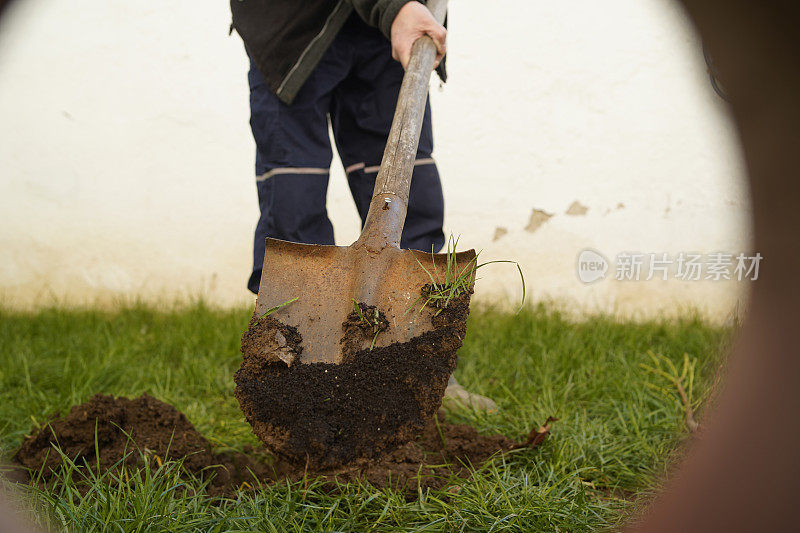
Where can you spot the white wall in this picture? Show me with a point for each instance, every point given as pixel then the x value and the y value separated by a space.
pixel 126 157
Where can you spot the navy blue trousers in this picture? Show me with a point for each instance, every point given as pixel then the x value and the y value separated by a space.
pixel 355 86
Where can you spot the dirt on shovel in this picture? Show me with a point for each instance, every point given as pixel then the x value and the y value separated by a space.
pixel 147 426
pixel 330 415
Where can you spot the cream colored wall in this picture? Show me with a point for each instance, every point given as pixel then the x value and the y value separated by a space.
pixel 127 157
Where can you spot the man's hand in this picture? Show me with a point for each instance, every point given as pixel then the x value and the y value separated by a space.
pixel 412 22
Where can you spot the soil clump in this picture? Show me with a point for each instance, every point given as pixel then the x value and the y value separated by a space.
pixel 270 341
pixel 109 432
pixel 363 324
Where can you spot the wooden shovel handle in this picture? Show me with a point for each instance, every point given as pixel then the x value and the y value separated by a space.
pixel 387 210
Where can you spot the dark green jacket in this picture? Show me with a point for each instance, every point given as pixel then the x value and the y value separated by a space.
pixel 287 38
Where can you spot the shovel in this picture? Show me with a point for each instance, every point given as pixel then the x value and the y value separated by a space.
pixel 347 356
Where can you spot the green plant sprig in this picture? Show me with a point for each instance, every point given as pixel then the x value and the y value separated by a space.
pixel 375 324
pixel 456 281
pixel 273 309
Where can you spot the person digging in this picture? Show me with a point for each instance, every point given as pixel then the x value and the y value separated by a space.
pixel 348 72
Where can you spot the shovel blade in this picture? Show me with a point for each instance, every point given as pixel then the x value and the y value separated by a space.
pixel 326 280
pixel 316 384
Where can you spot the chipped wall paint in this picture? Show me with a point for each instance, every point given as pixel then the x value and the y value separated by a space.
pixel 499 231
pixel 127 159
pixel 577 209
pixel 538 217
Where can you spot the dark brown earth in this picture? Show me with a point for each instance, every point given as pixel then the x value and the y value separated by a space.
pixel 443 450
pixel 159 430
pixel 361 327
pixel 329 415
pixel 272 340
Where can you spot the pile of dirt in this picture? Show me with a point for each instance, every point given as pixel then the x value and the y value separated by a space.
pixel 159 429
pixel 442 451
pixel 111 431
pixel 329 415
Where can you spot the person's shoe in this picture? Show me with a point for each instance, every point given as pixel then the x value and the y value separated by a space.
pixel 457 397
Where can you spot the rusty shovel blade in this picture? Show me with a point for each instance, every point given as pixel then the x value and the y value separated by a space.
pixel 318 389
pixel 323 282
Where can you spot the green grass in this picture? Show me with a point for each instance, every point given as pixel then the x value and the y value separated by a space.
pixel 610 384
pixel 457 280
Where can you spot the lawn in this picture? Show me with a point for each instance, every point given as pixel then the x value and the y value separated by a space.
pixel 613 387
